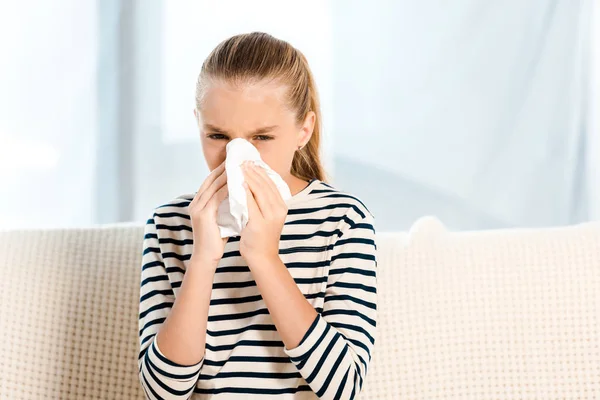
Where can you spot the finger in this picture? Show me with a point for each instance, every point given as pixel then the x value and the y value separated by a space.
pixel 212 189
pixel 267 182
pixel 214 174
pixel 253 209
pixel 276 203
pixel 210 179
pixel 218 197
pixel 267 194
pixel 260 195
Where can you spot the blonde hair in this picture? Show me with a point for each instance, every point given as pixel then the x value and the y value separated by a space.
pixel 253 57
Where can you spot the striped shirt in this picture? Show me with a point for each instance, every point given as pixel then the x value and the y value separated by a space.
pixel 328 246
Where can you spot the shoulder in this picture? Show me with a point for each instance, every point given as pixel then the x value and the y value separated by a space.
pixel 172 212
pixel 356 223
pixel 355 207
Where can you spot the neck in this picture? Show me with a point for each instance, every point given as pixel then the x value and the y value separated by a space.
pixel 295 184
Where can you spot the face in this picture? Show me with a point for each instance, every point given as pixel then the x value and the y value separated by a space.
pixel 257 113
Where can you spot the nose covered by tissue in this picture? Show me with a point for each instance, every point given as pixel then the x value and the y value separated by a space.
pixel 232 215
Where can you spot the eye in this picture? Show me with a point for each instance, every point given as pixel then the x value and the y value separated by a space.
pixel 263 137
pixel 216 136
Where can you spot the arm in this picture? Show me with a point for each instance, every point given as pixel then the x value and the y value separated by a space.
pixel 331 350
pixel 172 331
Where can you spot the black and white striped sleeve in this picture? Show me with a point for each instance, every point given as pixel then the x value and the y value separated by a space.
pixel 334 354
pixel 160 377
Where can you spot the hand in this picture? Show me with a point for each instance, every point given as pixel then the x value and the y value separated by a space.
pixel 267 210
pixel 208 244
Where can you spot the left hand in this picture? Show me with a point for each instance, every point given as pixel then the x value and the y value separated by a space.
pixel 267 211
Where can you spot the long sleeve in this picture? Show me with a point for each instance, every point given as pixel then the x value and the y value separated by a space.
pixel 160 377
pixel 334 354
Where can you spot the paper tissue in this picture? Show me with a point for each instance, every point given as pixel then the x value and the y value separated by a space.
pixel 232 215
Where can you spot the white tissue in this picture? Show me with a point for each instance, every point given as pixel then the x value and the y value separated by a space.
pixel 232 215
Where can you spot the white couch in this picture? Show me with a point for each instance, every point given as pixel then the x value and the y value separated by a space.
pixel 512 314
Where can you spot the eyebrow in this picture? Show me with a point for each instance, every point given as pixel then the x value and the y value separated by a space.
pixel 264 129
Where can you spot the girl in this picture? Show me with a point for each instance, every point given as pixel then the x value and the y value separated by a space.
pixel 288 308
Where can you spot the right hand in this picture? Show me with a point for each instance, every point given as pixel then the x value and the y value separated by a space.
pixel 208 244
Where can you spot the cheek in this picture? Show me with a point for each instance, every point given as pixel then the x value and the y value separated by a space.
pixel 276 157
pixel 214 153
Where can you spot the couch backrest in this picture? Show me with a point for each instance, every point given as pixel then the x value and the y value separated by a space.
pixel 497 314
pixel 504 314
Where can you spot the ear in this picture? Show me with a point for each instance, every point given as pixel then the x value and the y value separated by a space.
pixel 307 128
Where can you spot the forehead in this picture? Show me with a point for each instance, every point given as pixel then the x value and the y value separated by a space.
pixel 245 106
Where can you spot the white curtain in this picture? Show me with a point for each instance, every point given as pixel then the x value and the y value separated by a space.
pixel 477 112
pixel 593 125
pixel 474 111
pixel 48 113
